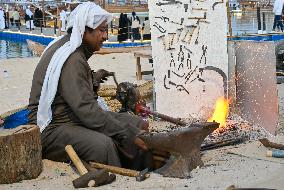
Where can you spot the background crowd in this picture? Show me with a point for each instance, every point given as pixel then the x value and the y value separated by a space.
pixel 133 28
pixel 128 28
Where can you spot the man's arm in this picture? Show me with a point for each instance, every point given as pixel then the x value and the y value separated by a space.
pixel 75 86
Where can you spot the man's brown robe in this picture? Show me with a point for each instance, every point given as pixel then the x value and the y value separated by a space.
pixel 77 118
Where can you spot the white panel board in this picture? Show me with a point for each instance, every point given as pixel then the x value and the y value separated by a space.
pixel 188 38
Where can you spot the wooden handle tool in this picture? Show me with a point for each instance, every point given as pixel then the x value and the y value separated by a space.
pixel 76 160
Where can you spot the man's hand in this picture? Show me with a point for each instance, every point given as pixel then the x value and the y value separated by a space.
pixel 140 143
pixel 146 126
pixel 101 75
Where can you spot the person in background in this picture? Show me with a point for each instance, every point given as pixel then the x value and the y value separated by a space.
pixel 16 18
pixel 277 10
pixel 22 13
pixel 122 28
pixel 63 18
pixel 6 16
pixel 2 18
pixel 10 13
pixel 127 26
pixel 29 18
pixel 135 27
pixel 146 29
pixel 38 17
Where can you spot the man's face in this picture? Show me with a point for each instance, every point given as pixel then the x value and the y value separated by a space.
pixel 94 39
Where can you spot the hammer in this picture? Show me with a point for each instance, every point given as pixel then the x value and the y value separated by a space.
pixel 139 175
pixel 114 78
pixel 88 179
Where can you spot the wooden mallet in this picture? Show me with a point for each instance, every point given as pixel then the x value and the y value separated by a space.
pixel 91 178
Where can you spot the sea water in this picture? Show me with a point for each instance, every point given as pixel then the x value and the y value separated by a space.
pixel 13 49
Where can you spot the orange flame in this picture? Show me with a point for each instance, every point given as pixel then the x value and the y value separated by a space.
pixel 221 111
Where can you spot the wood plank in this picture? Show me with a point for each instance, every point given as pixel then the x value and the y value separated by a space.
pixel 143 53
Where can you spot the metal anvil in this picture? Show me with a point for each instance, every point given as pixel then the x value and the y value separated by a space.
pixel 184 146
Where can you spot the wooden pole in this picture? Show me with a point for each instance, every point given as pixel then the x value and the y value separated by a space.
pixel 104 4
pixel 43 13
pixel 229 18
pixel 270 144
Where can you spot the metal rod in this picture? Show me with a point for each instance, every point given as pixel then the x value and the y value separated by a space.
pixel 222 143
pixel 169 119
pixel 114 78
pixel 270 144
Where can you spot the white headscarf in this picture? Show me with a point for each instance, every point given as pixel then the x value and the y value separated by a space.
pixel 86 14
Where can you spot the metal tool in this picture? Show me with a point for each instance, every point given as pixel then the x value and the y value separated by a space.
pixel 199 18
pixel 270 144
pixel 140 108
pixel 186 33
pixel 216 3
pixel 129 96
pixel 191 34
pixel 165 19
pixel 168 2
pixel 185 7
pixel 179 34
pixel 199 9
pixel 159 27
pixel 114 78
pixel 142 175
pixel 222 143
pixel 275 153
pixel 189 51
pixel 88 179
pixel 162 37
pixel 184 146
pixel 171 42
pixel 197 35
pixel 181 21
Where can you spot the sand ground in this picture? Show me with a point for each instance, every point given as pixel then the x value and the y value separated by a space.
pixel 243 165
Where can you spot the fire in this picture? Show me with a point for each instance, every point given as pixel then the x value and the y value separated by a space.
pixel 221 111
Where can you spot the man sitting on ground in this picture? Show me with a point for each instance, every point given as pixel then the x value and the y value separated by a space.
pixel 63 103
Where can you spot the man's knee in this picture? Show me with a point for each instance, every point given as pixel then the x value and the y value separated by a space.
pixel 98 150
pixel 109 144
